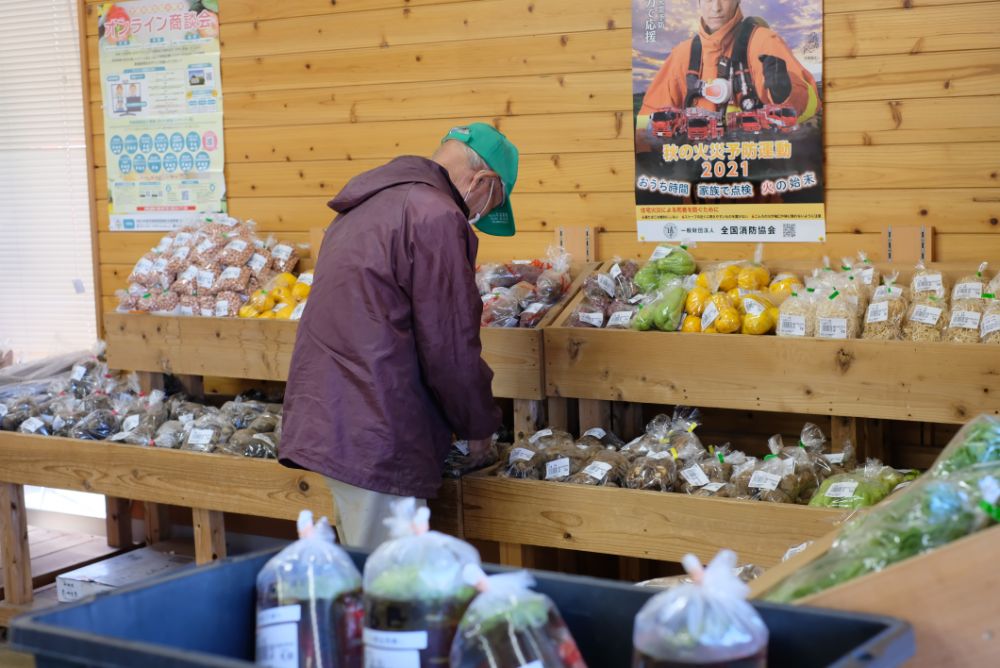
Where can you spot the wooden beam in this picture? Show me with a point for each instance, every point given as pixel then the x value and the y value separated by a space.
pixel 209 535
pixel 529 414
pixel 594 413
pixel 14 551
pixel 558 409
pixel 118 520
pixel 157 519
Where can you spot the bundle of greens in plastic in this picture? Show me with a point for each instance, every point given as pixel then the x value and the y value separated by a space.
pixel 705 623
pixel 665 310
pixel 858 489
pixel 957 497
pixel 309 610
pixel 510 626
pixel 415 593
pixel 666 263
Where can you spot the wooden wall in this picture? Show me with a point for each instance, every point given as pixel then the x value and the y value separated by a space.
pixel 319 90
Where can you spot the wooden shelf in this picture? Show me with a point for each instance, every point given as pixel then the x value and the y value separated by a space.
pixel 191 479
pixel 635 523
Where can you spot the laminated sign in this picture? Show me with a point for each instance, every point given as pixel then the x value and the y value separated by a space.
pixel 728 112
pixel 162 96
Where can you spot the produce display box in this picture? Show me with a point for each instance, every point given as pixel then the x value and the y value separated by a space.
pixel 205 618
pixel 635 523
pixel 262 349
pixel 944 594
pixel 900 380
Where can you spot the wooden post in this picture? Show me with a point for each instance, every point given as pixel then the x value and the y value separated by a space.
pixel 516 555
pixel 149 381
pixel 595 413
pixel 16 558
pixel 558 413
pixel 209 535
pixel 193 386
pixel 157 518
pixel 626 419
pixel 528 414
pixel 118 520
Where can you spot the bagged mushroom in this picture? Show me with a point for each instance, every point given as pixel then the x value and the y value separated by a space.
pixel 607 468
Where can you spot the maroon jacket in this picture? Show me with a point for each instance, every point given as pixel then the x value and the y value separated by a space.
pixel 387 362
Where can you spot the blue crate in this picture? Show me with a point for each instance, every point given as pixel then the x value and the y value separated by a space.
pixel 204 618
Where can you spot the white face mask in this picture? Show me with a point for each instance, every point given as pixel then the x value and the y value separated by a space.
pixel 475 218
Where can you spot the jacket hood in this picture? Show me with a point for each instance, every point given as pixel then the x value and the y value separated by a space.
pixel 402 170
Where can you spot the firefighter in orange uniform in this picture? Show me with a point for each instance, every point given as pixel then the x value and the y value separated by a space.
pixel 733 63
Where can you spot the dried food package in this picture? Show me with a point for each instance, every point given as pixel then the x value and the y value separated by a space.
pixel 227 304
pixel 707 622
pixel 206 250
pixel 533 314
pixel 797 315
pixel 869 274
pixel 170 435
pixel 989 326
pixel 144 272
pixel 775 480
pixel 500 309
pixel 964 321
pixel 606 468
pixel 925 319
pixel 739 484
pixel 415 592
pixel 178 258
pixel 98 425
pixel 187 281
pixel 886 312
pixel 260 264
pixel 508 624
pixel 836 317
pixel 929 283
pixel 623 275
pixel 597 437
pixel 309 603
pixel 491 276
pixel 237 252
pixel 232 279
pixel 523 462
pixel 207 433
pixel 655 471
pixel 599 290
pixel 284 257
pixel 554 281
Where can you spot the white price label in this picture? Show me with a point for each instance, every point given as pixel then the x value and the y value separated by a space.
pixel 598 470
pixel 753 307
pixel 462 446
pixel 928 283
pixel 791 325
pixel 207 313
pixel 31 425
pixel 165 244
pixel 297 311
pixel 764 480
pixel 877 312
pixel 659 454
pixel 607 284
pixel 964 320
pixel 967 291
pixel 278 637
pixel 867 275
pixel 558 468
pixel 143 266
pixel 182 239
pixel 661 252
pixel 206 279
pixel 833 328
pixel 592 319
pixel 395 640
pixel 189 274
pixel 695 476
pixel 835 457
pixel 620 318
pixel 792 551
pixel 991 323
pixel 79 371
pixel 221 308
pixel 533 308
pixel 130 423
pixel 615 271
pixel 927 315
pixel 160 265
pixel 708 315
pixel 257 263
pixel 181 253
pixel 539 434
pixel 714 486
pixel 200 436
pixel 519 455
pixel 306 278
pixel 237 245
pixel 230 273
pixel 842 490
pixel 596 432
pixel 282 251
pixel 205 246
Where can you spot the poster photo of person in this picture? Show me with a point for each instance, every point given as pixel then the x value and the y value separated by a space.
pixel 728 108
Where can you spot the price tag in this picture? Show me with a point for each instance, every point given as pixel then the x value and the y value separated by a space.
pixel 221 308
pixel 143 266
pixel 257 263
pixel 31 425
pixel 282 251
pixel 306 278
pixel 709 315
pixel 297 311
pixel 539 434
pixel 206 279
pixel 164 245
pixel 520 455
pixel 160 265
pixel 659 454
pixel 714 486
pixel 695 476
pixel 928 283
pixel 991 323
pixel 200 436
pixel 791 325
pixel 842 490
pixel 764 480
pixel 533 308
pixel 79 371
pixel 181 253
pixel 835 457
pixel 558 468
pixel 867 275
pixel 189 274
pixel 753 307
pixel 596 432
pixel 661 252
pixel 964 320
pixel 230 273
pixel 927 315
pixel 592 319
pixel 877 312
pixel 130 423
pixel 607 284
pixel 616 271
pixel 237 245
pixel 833 328
pixel 620 319
pixel 598 470
pixel 182 239
pixel 278 637
pixel 205 246
pixel 968 291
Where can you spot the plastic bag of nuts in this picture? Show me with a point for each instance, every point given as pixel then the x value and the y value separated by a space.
pixel 187 281
pixel 236 252
pixel 284 257
pixel 232 279
pixel 177 258
pixel 144 272
pixel 656 471
pixel 259 262
pixel 523 462
pixel 227 304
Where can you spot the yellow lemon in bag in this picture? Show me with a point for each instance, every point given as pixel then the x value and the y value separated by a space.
pixel 282 295
pixel 753 277
pixel 262 300
pixel 692 323
pixel 696 300
pixel 248 311
pixel 285 312
pixel 301 291
pixel 729 277
pixel 757 318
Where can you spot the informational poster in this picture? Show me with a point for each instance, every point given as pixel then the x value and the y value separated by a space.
pixel 162 95
pixel 727 100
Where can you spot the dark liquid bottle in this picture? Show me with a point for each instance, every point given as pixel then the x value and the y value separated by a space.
pixel 502 645
pixel 758 660
pixel 328 634
pixel 437 618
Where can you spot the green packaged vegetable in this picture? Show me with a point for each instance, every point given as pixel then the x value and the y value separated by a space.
pixel 978 442
pixel 643 320
pixel 669 307
pixel 647 279
pixel 678 261
pixel 858 489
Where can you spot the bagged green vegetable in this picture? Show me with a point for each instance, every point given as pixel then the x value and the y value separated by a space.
pixel 978 442
pixel 858 489
pixel 669 307
pixel 647 279
pixel 677 261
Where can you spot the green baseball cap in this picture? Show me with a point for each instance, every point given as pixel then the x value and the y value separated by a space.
pixel 501 156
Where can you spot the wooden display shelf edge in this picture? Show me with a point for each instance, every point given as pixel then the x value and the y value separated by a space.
pixel 191 479
pixel 635 523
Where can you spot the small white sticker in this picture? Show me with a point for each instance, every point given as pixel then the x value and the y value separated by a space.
pixel 791 325
pixel 205 246
pixel 792 551
pixel 257 263
pixel 189 274
pixel 130 423
pixel 297 311
pixel 596 432
pixel 230 273
pixel 206 279
pixel 200 436
pixel 462 446
pixel 661 252
pixel 877 312
pixel 282 251
pixel 991 323
pixel 164 245
pixel 238 245
pixel 835 457
pixel 927 315
pixel 615 271
pixel 621 318
pixel 842 490
pixel 638 298
pixel 539 434
pixel 867 275
pixel 79 371
pixel 221 308
pixel 753 307
pixel 659 454
pixel 395 639
pixel 764 480
pixel 306 278
pixel 964 320
pixel 833 328
pixel 181 253
pixel 714 486
pixel 182 239
pixel 708 315
pixel 277 637
pixel 143 266
pixel 967 291
pixel 533 308
pixel 598 470
pixel 695 476
pixel 207 313
pixel 160 265
pixel 31 425
pixel 558 468
pixel 928 283
pixel 592 319
pixel 519 455
pixel 185 310
pixel 607 284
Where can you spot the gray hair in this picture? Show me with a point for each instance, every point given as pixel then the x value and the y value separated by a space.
pixel 473 160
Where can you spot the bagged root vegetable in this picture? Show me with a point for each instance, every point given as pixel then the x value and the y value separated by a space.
pixel 415 592
pixel 607 468
pixel 586 315
pixel 989 326
pixel 207 433
pixel 599 290
pixel 507 624
pixel 555 280
pixel 489 277
pixel 964 321
pixel 705 623
pixel 523 462
pixel 309 603
pixel 500 309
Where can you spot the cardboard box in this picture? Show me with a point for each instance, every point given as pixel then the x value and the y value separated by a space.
pixel 125 569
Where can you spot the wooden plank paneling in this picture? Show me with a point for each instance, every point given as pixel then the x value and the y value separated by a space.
pixel 841 6
pixel 927 121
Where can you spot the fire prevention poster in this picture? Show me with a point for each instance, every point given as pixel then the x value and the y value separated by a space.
pixel 162 97
pixel 728 107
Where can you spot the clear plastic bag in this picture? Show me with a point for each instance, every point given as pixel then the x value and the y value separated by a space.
pixel 760 316
pixel 227 304
pixel 858 489
pixel 237 252
pixel 414 591
pixel 313 586
pixel 500 309
pixel 508 625
pixel 232 279
pixel 606 468
pixel 797 315
pixel 623 274
pixel 491 276
pixel 926 318
pixel 98 425
pixel 885 314
pixel 989 326
pixel 554 281
pixel 655 471
pixel 964 321
pixel 836 317
pixel 869 274
pixel 754 275
pixel 533 314
pixel 170 435
pixel 707 622
pixel 599 290
pixel 586 315
pixel 207 433
pixel 284 257
pixel 928 282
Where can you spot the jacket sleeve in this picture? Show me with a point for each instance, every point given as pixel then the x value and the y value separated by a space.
pixel 779 77
pixel 669 86
pixel 446 314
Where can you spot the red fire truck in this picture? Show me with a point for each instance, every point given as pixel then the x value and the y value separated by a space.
pixel 667 122
pixel 781 118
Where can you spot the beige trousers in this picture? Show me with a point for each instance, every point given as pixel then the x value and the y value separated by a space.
pixel 360 513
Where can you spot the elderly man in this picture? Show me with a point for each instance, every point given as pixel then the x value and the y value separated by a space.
pixel 732 64
pixel 386 366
